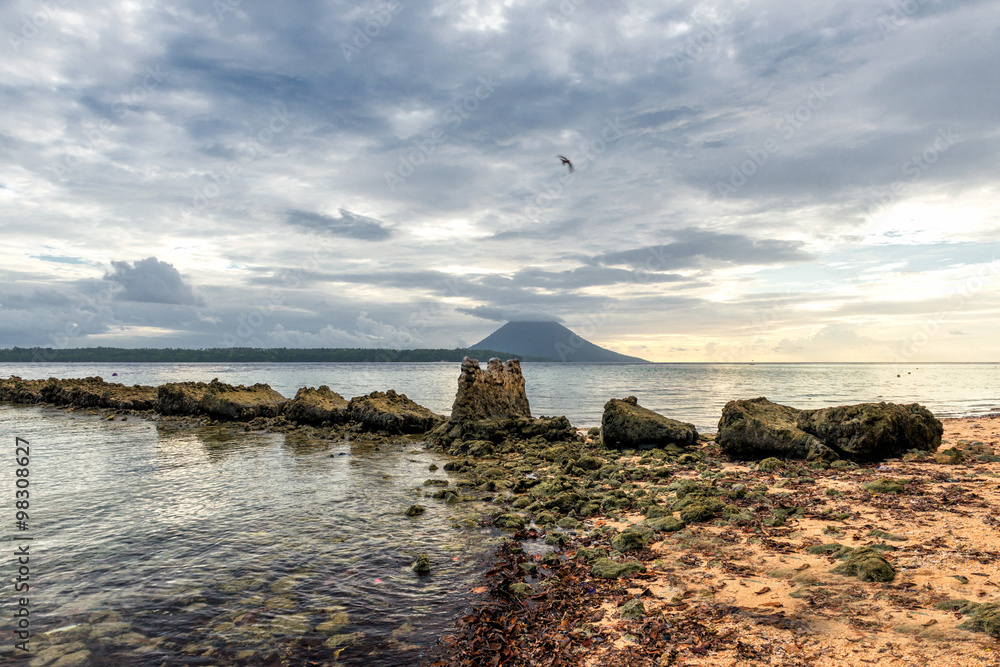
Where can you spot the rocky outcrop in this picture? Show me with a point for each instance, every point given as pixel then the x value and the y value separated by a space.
pixel 94 392
pixel 627 425
pixel 391 412
pixel 219 400
pixel 874 431
pixel 758 428
pixel 316 406
pixel 16 390
pixel 491 407
pixel 90 392
pixel 494 393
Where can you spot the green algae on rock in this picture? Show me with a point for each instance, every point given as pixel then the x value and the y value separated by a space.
pixel 605 568
pixel 632 610
pixel 316 406
pixel 422 564
pixel 627 425
pixel 867 564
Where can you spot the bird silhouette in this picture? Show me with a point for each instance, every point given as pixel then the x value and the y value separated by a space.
pixel 565 161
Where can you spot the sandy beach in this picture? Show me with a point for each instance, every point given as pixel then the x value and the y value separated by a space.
pixel 747 593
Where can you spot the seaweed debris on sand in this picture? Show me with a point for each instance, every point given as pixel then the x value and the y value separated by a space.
pixel 796 562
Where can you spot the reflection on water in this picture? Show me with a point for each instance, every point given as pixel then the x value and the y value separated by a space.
pixel 196 547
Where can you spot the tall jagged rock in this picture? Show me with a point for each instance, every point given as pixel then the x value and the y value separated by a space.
pixel 491 407
pixel 494 393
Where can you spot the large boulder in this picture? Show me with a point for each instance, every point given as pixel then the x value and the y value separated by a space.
pixel 874 431
pixel 757 428
pixel 219 400
pixel 316 406
pixel 494 393
pixel 627 425
pixel 391 412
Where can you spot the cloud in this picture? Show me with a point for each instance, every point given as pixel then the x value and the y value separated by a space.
pixel 509 314
pixel 152 281
pixel 348 225
pixel 693 245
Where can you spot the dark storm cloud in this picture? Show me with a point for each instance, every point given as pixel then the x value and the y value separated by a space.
pixel 152 281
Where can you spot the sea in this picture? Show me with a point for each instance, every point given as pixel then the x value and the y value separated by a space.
pixel 151 544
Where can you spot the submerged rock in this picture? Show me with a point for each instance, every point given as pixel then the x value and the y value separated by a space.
pixel 627 425
pixel 219 400
pixel 391 412
pixel 422 565
pixel 316 406
pixel 756 428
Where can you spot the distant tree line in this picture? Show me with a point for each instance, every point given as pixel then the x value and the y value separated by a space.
pixel 247 354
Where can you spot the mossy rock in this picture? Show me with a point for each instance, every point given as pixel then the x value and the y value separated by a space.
pixel 632 610
pixel 551 559
pixel 568 522
pixel 656 511
pixel 605 568
pixel 415 510
pixel 423 564
pixel 528 567
pixel 631 539
pixel 702 510
pixel 591 554
pixel 950 456
pixel 435 482
pixel 867 564
pixel 520 589
pixel 844 465
pixel 545 519
pixel 588 462
pixel 522 502
pixel 834 549
pixel 886 485
pixel 509 520
pixel 985 618
pixel 667 524
pixel 960 605
pixel 770 464
pixel 555 539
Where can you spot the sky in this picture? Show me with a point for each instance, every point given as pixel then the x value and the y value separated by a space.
pixel 754 180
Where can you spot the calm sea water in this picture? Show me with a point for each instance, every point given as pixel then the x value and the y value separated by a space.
pixel 154 545
pixel 690 392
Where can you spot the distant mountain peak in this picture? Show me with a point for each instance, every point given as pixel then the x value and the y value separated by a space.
pixel 551 340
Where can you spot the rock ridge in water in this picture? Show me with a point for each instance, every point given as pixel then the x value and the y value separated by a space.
pixel 219 400
pixel 316 406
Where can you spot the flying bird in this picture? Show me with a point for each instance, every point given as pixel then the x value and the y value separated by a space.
pixel 565 161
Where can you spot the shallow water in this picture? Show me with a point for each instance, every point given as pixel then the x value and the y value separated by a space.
pixel 694 393
pixel 200 544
